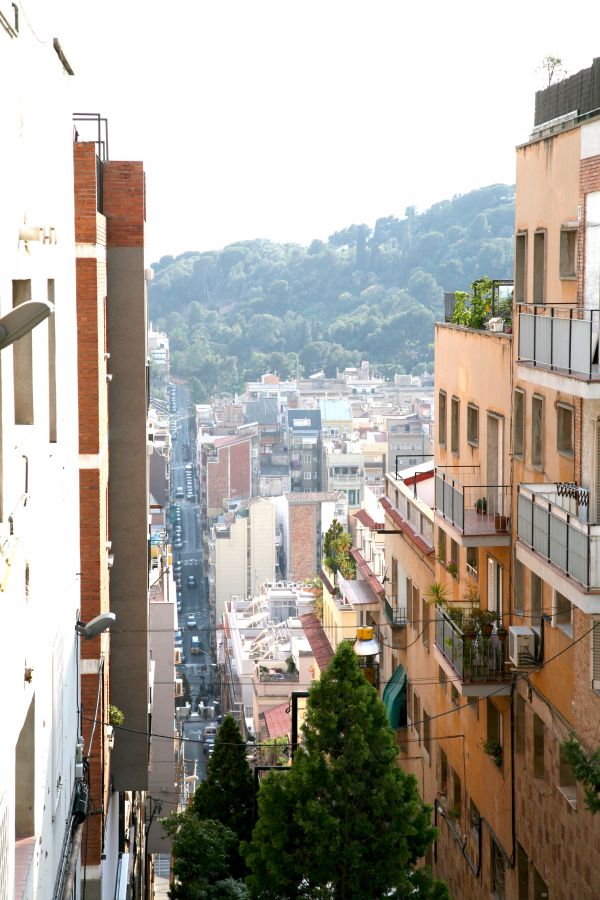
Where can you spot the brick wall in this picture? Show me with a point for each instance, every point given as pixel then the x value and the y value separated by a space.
pixel 86 199
pixel 303 541
pixel 239 462
pixel 124 203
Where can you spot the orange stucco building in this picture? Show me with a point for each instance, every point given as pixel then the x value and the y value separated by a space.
pixel 493 578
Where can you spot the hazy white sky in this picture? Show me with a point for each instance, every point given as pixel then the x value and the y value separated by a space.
pixel 288 120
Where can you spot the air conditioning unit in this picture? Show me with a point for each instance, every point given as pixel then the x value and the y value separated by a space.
pixel 178 687
pixel 524 645
pixel 177 656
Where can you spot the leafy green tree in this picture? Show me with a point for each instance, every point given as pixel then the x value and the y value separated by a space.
pixel 586 769
pixel 202 851
pixel 345 821
pixel 227 792
pixel 337 544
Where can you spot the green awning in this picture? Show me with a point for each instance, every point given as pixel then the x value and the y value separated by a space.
pixel 394 697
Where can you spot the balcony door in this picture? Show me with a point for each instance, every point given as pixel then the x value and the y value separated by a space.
pixel 494 459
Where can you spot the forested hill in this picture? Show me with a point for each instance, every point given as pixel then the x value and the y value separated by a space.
pixel 365 293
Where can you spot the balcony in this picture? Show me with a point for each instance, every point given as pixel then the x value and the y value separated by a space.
pixel 552 523
pixel 473 508
pixel 562 339
pixel 395 615
pixel 475 658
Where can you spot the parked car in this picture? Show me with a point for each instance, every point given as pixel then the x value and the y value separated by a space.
pixel 191 621
pixel 191 582
pixel 195 646
pixel 179 491
pixel 179 639
pixel 210 734
pixel 177 545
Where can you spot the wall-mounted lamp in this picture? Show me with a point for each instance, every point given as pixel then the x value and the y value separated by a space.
pixel 23 319
pixel 95 626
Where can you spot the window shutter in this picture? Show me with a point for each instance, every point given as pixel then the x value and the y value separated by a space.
pixel 596 656
pixel 491 585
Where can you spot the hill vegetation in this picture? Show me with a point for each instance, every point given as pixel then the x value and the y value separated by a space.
pixel 365 293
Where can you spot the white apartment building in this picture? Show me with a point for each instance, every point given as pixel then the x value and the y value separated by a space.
pixel 242 553
pixel 39 484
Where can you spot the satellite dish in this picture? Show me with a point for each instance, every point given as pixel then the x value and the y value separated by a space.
pixel 22 319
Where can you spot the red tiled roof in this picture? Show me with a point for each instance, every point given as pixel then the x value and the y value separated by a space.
pixel 278 721
pixel 404 526
pixel 317 639
pixel 365 570
pixel 365 519
pixel 326 581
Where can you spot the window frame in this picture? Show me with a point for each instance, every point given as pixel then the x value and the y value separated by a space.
pixel 442 418
pixel 521 241
pixel 472 415
pixel 564 272
pixel 561 409
pixel 520 454
pixel 455 433
pixel 537 463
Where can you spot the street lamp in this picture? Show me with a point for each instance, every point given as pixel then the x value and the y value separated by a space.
pixel 23 319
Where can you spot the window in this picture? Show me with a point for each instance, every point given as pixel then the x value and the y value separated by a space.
pixel 442 418
pixel 520 724
pixel 498 870
pixel 474 820
pixel 494 587
pixel 427 734
pixel 442 679
pixel 415 602
pixel 307 457
pixel 518 582
pixel 394 579
pixel 538 747
pixel 472 425
pixel 23 362
pixel 425 614
pixel 568 253
pixel 417 715
pixel 522 874
pixel 521 267
pixel 441 545
pixel 453 558
pixel 51 368
pixel 454 696
pixel 564 429
pixel 540 888
pixel 443 772
pixel 308 476
pixel 455 425
pixel 562 614
pixel 473 562
pixel 519 424
pixel 353 497
pixel 566 780
pixel 537 595
pixel 539 267
pixel 456 796
pixel 495 733
pixel 537 432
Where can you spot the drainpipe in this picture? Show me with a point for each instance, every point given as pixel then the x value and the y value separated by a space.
pixel 513 815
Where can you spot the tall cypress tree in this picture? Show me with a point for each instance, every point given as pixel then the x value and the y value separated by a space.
pixel 345 822
pixel 226 795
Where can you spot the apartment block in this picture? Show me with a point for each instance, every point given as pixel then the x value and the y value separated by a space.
pixel 39 473
pixel 225 466
pixel 556 442
pixel 241 553
pixel 302 520
pixel 306 449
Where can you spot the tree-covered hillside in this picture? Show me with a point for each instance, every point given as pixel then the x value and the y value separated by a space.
pixel 365 293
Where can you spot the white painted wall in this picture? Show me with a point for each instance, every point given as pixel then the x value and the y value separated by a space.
pixel 37 622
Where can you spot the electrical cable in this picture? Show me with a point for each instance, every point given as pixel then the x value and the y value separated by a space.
pixel 448 712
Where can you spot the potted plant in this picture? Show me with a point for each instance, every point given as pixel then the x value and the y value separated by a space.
pixel 488 620
pixel 115 715
pixel 481 506
pixel 437 594
pixel 493 749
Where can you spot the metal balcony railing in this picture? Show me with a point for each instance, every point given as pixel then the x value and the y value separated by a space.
pixel 472 507
pixel 475 658
pixel 563 338
pixel 551 521
pixel 396 615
